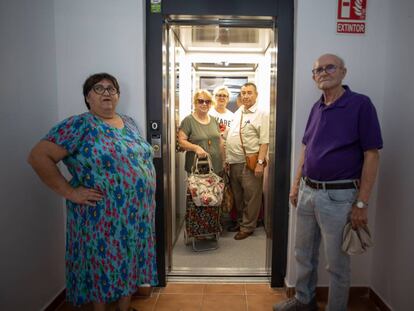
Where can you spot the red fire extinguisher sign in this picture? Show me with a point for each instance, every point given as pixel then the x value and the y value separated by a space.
pixel 351 16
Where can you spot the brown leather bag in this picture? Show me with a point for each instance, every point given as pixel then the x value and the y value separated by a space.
pixel 251 161
pixel 228 196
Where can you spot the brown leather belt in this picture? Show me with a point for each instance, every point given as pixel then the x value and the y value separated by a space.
pixel 330 186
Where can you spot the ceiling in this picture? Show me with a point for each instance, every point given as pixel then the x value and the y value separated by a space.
pixel 222 39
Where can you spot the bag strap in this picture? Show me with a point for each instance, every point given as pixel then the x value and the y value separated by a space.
pixel 195 170
pixel 240 133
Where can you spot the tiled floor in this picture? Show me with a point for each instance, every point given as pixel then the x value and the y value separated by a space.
pixel 216 297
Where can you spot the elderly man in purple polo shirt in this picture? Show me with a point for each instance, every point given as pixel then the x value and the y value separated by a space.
pixel 337 170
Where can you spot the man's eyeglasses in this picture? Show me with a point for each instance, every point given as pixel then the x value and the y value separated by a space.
pixel 331 68
pixel 222 95
pixel 100 89
pixel 203 101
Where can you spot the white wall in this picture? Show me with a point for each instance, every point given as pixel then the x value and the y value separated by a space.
pixel 379 65
pixel 32 240
pixel 48 49
pixel 101 36
pixel 315 34
pixel 393 255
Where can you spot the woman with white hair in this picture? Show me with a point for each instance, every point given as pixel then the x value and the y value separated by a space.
pixel 219 111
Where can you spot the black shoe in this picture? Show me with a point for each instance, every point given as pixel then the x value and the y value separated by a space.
pixel 233 228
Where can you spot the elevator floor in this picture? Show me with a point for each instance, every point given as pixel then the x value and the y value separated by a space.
pixel 244 257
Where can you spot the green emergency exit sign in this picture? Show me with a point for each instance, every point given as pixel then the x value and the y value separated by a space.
pixel 155 6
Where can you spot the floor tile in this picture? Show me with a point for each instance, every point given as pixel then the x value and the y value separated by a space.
pixel 254 289
pixel 218 297
pixel 263 302
pixel 144 304
pixel 225 289
pixel 362 304
pixel 183 288
pixel 219 302
pixel 178 302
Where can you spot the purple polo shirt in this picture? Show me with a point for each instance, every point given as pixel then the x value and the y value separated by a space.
pixel 337 135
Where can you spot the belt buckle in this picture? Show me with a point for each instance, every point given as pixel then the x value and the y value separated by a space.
pixel 356 184
pixel 321 186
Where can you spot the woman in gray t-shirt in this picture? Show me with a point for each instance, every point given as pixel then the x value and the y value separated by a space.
pixel 199 133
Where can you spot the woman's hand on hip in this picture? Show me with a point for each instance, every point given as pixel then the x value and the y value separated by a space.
pixel 86 196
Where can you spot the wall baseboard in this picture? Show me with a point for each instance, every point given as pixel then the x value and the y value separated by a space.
pixel 354 292
pixel 378 301
pixel 57 302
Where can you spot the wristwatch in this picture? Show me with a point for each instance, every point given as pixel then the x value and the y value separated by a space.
pixel 360 204
pixel 260 162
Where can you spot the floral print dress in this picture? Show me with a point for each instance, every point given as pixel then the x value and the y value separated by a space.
pixel 110 247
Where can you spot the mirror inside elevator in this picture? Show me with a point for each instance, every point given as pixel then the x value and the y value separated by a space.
pixel 203 53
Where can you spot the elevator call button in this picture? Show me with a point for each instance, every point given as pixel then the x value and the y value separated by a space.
pixel 156 145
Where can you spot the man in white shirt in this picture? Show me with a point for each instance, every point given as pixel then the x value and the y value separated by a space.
pixel 248 135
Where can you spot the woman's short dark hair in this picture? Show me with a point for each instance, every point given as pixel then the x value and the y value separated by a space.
pixel 95 78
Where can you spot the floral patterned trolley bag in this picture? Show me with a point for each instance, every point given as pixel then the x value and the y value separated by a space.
pixel 204 197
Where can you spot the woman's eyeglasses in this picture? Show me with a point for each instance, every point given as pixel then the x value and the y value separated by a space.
pixel 328 69
pixel 203 101
pixel 100 89
pixel 222 95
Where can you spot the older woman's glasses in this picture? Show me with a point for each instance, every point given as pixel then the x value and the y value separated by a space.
pixel 222 95
pixel 331 68
pixel 100 89
pixel 203 101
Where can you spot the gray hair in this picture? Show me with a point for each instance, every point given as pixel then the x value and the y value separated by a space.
pixel 221 88
pixel 340 59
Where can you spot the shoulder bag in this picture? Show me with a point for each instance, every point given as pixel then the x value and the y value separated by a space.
pixel 228 196
pixel 251 159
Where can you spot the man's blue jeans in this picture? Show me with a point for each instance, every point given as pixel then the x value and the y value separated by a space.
pixel 322 214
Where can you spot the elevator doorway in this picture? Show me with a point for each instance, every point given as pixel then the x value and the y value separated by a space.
pixel 205 53
pixel 163 115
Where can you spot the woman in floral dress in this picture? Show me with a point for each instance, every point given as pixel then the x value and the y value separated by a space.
pixel 110 243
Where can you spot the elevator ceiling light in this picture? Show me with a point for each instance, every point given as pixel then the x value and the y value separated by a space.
pixel 224 69
pixel 223 49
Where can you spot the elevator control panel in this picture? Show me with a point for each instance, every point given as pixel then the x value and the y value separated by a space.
pixel 156 145
pixel 155 129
